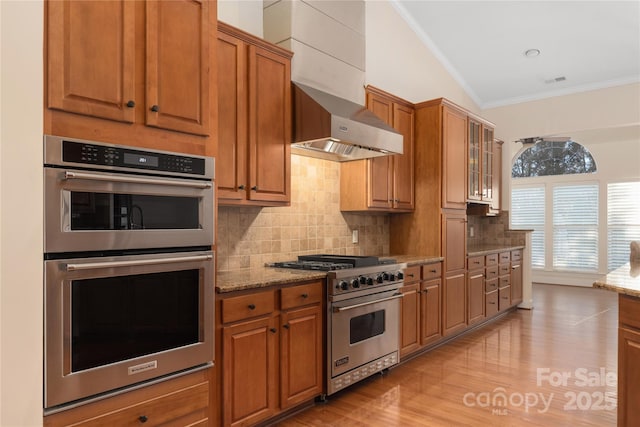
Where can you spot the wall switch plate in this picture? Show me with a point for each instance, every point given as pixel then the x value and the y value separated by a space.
pixel 354 236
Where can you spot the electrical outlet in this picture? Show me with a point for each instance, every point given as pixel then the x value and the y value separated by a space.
pixel 354 236
pixel 472 232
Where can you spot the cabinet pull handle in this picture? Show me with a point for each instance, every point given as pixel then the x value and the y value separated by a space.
pixel 432 271
pixel 131 104
pixel 492 302
pixel 143 419
pixel 254 188
pixel 252 306
pixel 273 330
pixel 241 187
pixel 286 326
pixel 426 291
pixel 305 295
pixel 410 274
pixel 155 108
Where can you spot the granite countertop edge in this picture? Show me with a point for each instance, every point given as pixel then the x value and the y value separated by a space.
pixel 623 280
pixel 265 277
pixel 490 249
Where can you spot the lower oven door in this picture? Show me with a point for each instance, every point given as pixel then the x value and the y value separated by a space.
pixel 363 329
pixel 113 322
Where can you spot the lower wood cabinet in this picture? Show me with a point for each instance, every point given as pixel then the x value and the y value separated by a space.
pixel 628 361
pixel 420 309
pixel 475 290
pixel 271 353
pixel 184 400
pixel 454 297
pixel 516 277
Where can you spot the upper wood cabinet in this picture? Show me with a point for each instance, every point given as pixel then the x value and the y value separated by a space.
pixel 480 161
pixel 496 176
pixel 254 133
pixel 93 49
pixel 382 183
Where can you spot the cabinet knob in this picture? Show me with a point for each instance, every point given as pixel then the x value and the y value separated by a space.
pixel 426 291
pixel 143 419
pixel 131 104
pixel 254 188
pixel 305 296
pixel 432 271
pixel 252 306
pixel 273 330
pixel 155 108
pixel 286 326
pixel 241 187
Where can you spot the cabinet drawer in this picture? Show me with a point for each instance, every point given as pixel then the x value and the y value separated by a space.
pixel 491 285
pixel 492 272
pixel 475 263
pixel 491 259
pixel 432 271
pixel 516 255
pixel 247 306
pixel 412 274
pixel 504 281
pixel 504 269
pixel 629 311
pixel 505 257
pixel 297 296
pixel 504 298
pixel 491 303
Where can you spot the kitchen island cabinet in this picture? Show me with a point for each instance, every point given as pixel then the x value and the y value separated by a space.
pixel 383 183
pixel 270 350
pixel 625 281
pixel 131 71
pixel 254 132
pixel 184 400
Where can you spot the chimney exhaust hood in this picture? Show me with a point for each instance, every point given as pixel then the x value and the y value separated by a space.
pixel 332 128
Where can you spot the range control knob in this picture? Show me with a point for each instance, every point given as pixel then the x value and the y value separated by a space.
pixel 343 285
pixel 369 281
pixel 389 276
pixel 380 278
pixel 355 283
pixel 363 280
pixel 400 275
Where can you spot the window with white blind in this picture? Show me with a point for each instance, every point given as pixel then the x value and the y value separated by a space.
pixel 575 227
pixel 528 205
pixel 623 221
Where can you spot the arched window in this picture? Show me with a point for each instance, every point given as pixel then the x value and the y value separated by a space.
pixel 553 158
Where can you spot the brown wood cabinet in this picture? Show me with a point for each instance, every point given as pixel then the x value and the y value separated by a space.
pixel 122 68
pixel 628 357
pixel 271 351
pixel 420 309
pixel 431 304
pixel 382 183
pixel 516 277
pixel 184 400
pixel 480 161
pixel 496 203
pixel 475 290
pixel 254 133
pixel 504 281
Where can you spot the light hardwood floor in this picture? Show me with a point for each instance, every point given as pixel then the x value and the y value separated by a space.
pixel 571 331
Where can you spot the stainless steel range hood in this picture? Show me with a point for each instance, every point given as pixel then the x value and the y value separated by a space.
pixel 332 128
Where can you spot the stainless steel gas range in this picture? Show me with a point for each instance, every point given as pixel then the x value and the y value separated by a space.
pixel 363 314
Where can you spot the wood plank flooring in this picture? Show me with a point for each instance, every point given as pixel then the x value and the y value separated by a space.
pixel 554 365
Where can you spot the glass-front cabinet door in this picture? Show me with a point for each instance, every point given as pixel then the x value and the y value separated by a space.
pixel 487 163
pixel 473 153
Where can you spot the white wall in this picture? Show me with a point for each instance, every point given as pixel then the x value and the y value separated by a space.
pixel 21 70
pixel 245 14
pixel 400 63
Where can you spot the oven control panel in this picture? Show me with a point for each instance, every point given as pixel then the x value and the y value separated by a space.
pixel 365 278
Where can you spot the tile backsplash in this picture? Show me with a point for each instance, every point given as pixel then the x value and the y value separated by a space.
pixel 493 230
pixel 251 236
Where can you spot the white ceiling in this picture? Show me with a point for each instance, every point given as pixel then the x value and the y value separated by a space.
pixel 593 44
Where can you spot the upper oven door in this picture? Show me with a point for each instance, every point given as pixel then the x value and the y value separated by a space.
pixel 92 210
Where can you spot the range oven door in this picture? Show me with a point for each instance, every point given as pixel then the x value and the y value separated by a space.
pixel 93 211
pixel 116 321
pixel 363 329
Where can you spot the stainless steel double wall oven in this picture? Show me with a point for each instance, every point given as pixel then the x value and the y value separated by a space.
pixel 129 267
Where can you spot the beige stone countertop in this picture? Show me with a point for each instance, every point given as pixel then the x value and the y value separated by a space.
pixel 624 280
pixel 490 249
pixel 263 277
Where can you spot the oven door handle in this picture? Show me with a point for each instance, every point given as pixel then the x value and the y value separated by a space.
pixel 135 263
pixel 135 180
pixel 350 307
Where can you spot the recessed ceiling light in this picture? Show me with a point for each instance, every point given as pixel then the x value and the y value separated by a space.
pixel 531 53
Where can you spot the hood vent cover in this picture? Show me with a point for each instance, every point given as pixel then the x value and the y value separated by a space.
pixel 332 128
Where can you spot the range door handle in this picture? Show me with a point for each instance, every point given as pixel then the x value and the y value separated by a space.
pixel 135 180
pixel 350 307
pixel 135 263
